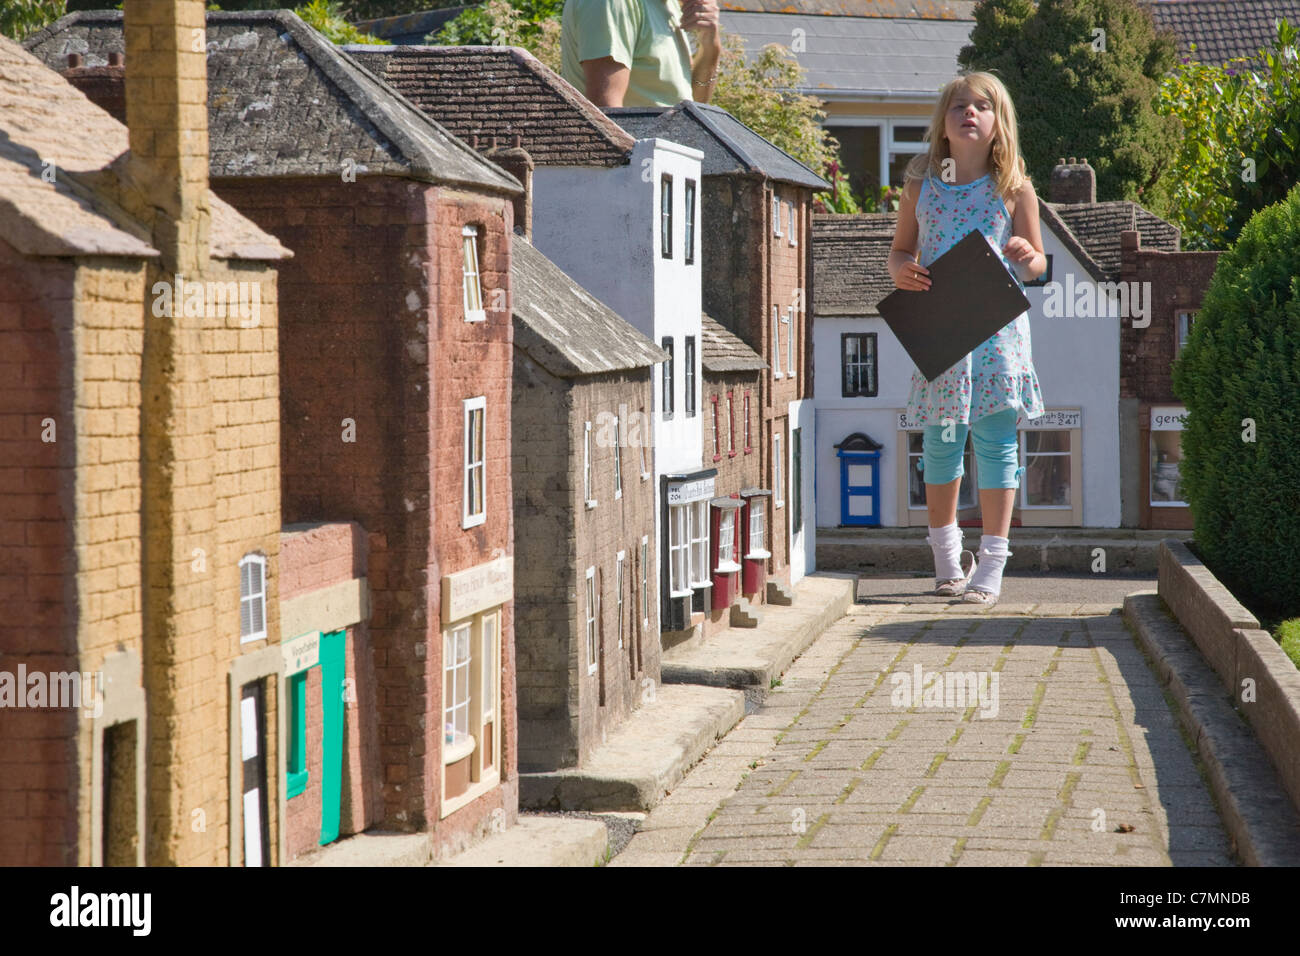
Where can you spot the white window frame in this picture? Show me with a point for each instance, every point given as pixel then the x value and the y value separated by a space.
pixel 469 519
pixel 727 563
pixel 1185 318
pixel 645 581
pixel 789 341
pixel 456 707
pixel 690 357
pixel 679 543
pixel 1024 460
pixel 778 470
pixel 717 440
pixel 618 457
pixel 592 615
pixel 776 342
pixel 776 214
pixel 794 233
pixel 482 681
pixel 749 435
pixel 642 422
pixel 252 598
pixel 587 477
pixel 619 582
pixel 699 552
pixel 472 278
pixel 666 215
pixel 756 510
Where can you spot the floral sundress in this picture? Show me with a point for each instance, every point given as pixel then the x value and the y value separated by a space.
pixel 999 372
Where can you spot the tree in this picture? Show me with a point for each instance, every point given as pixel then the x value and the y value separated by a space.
pixel 21 18
pixel 1239 375
pixel 326 17
pixel 1083 75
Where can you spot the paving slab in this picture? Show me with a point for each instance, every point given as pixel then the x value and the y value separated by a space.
pixel 374 848
pixel 539 840
pixel 645 757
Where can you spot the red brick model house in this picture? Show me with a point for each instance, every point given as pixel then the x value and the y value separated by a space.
pixel 139 493
pixel 740 512
pixel 395 408
pixel 756 253
pixel 584 517
pixel 1151 416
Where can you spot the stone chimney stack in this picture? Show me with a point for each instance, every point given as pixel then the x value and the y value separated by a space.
pixel 167 119
pixel 1073 182
pixel 515 160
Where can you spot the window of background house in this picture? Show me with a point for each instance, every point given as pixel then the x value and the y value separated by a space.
pixel 690 221
pixel 473 286
pixel 789 341
pixel 645 580
pixel 473 508
pixel 757 516
pixel 1184 328
pixel 618 584
pixel 699 544
pixel 776 215
pixel 587 489
pixel 669 369
pixel 717 440
pixel 727 541
pixel 793 230
pixel 1046 458
pixel 618 457
pixel 778 498
pixel 456 661
pixel 749 445
pixel 858 369
pixel 776 342
pixel 690 376
pixel 591 620
pixel 252 598
pixel 731 425
pixel 679 543
pixel 916 478
pixel 666 217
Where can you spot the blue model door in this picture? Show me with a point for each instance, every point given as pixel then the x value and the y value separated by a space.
pixel 859 480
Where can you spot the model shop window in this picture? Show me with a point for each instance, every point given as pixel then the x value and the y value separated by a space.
pixel 666 217
pixel 252 598
pixel 474 508
pixel 473 285
pixel 858 370
pixel 688 547
pixel 916 477
pixel 471 741
pixel 1046 456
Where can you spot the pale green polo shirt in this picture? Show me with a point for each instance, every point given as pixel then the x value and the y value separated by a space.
pixel 637 33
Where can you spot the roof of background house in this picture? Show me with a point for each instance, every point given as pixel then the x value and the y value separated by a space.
pixel 910 9
pixel 563 327
pixel 502 90
pixel 868 56
pixel 76 214
pixel 284 101
pixel 1224 29
pixel 410 27
pixel 729 146
pixel 721 350
pixel 850 253
pixel 1096 228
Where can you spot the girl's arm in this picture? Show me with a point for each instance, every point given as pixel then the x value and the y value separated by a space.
pixel 1025 247
pixel 903 266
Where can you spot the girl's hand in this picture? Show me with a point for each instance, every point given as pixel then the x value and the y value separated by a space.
pixel 1019 250
pixel 913 277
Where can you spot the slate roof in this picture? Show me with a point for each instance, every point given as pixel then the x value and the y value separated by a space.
pixel 903 60
pixel 77 214
pixel 284 101
pixel 911 9
pixel 1096 228
pixel 850 257
pixel 501 90
pixel 729 146
pixel 563 327
pixel 721 350
pixel 1224 29
pixel 851 253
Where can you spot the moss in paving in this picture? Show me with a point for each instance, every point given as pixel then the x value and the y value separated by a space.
pixel 1036 858
pixel 1000 773
pixel 879 848
pixel 956 851
pixel 812 831
pixel 816 750
pixel 911 800
pixel 1081 752
pixel 783 784
pixel 934 764
pixel 1040 689
pixel 898 729
pixel 852 785
pixel 1015 744
pixel 956 735
pixel 866 764
pixel 977 813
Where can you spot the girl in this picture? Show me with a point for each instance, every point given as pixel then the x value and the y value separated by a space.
pixel 972 177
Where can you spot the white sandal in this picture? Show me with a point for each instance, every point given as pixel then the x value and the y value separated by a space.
pixel 955 587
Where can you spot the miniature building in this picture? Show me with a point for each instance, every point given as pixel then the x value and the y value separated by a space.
pixel 140 426
pixel 757 265
pixel 394 402
pixel 584 515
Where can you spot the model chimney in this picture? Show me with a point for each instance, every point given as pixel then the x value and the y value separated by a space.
pixel 515 160
pixel 1073 182
pixel 167 121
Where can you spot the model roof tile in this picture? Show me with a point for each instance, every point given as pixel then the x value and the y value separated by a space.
pixel 1224 29
pixel 284 101
pixel 498 90
pixel 721 350
pixel 563 327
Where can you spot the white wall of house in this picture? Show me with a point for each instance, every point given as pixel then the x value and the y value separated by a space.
pixel 1077 362
pixel 803 539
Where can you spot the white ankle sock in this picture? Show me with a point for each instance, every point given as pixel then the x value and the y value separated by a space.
pixel 992 559
pixel 945 542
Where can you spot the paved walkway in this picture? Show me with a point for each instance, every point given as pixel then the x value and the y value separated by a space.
pixel 1072 756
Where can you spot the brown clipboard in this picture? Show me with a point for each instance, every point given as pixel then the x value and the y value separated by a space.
pixel 971 297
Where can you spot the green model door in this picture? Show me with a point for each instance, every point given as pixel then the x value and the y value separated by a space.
pixel 332 674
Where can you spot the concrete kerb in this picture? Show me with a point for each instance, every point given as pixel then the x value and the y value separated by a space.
pixel 373 848
pixel 753 668
pixel 539 841
pixel 1247 660
pixel 1260 818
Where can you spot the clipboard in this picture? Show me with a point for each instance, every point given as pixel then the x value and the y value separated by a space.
pixel 971 297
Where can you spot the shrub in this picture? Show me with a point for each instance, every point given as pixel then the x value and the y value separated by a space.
pixel 1239 376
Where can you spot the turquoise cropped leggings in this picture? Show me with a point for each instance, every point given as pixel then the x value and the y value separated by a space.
pixel 996 447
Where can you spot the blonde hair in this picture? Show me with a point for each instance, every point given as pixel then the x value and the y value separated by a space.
pixel 1007 166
